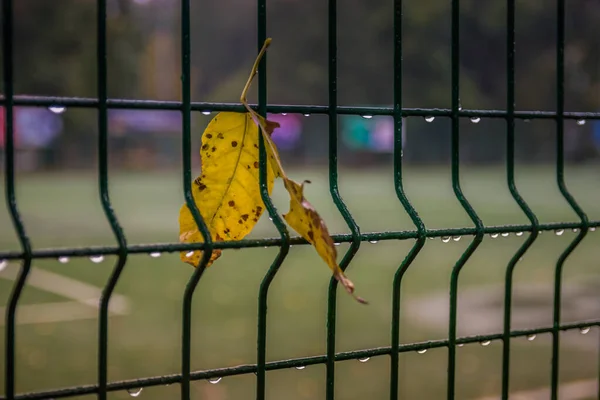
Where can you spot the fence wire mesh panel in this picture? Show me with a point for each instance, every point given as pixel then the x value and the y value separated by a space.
pixel 476 233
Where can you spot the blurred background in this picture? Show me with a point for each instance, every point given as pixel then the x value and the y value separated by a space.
pixel 56 157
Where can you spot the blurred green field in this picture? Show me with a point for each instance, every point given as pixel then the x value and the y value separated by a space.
pixel 64 210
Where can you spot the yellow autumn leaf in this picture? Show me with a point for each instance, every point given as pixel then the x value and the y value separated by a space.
pixel 226 193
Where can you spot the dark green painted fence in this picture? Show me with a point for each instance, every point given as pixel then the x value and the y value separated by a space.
pixel 455 113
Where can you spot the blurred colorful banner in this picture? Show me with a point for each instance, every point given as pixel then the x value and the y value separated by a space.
pixel 34 127
pixel 370 133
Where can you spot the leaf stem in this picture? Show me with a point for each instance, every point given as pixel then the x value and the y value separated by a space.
pixel 255 117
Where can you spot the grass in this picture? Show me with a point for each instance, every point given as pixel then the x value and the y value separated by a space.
pixel 63 210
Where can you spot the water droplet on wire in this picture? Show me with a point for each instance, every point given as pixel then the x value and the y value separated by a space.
pixel 429 119
pixel 581 122
pixel 364 359
pixel 519 233
pixel 3 264
pixel 57 109
pixel 584 330
pixel 486 342
pixel 475 120
pixel 135 392
pixel 445 239
pixel 493 235
pixel 63 259
pixel 456 238
pixel 531 337
pixel 97 259
pixel 155 254
pixel 367 116
pixel 422 351
pixel 215 380
pixel 206 112
pixel 301 367
pixel 373 241
pixel 559 232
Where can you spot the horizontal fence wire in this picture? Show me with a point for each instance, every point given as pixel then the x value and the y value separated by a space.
pixel 81 102
pixel 493 231
pixel 292 363
pixel 419 234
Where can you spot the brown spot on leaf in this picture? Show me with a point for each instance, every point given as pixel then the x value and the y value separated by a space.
pixel 208 135
pixel 255 164
pixel 255 145
pixel 231 203
pixel 245 217
pixel 240 221
pixel 226 231
pixel 204 146
pixel 220 135
pixel 255 219
pixel 201 186
pixel 311 235
pixel 214 149
pixel 248 166
pixel 315 219
pixel 258 209
pixel 234 144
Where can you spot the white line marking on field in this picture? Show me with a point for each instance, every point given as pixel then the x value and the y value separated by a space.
pixel 86 298
pixel 578 390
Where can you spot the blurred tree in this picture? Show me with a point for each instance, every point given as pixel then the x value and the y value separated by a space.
pixel 55 55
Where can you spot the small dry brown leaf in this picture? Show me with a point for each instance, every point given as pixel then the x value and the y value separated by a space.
pixel 305 220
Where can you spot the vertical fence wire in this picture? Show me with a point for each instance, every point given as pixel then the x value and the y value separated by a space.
pixel 337 199
pixel 455 146
pixel 105 199
pixel 11 200
pixel 261 356
pixel 186 110
pixel 560 180
pixel 510 174
pixel 399 187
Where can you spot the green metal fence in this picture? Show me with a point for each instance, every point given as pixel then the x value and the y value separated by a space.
pixel 419 235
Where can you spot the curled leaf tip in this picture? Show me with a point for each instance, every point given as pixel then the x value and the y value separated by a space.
pixel 349 286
